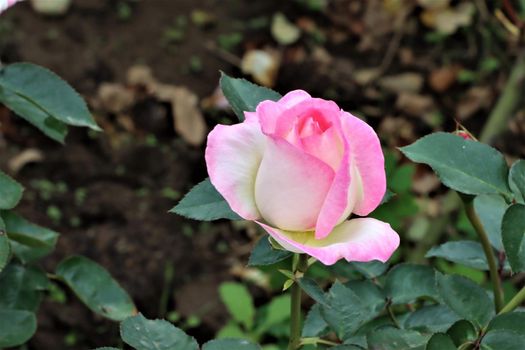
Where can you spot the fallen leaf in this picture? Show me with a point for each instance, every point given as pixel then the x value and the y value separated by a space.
pixel 284 31
pixel 441 79
pixel 414 104
pixel 366 76
pixel 217 100
pixel 30 155
pixel 397 130
pixel 448 20
pixel 476 98
pixel 433 4
pixel 141 76
pixel 187 117
pixel 114 97
pixel 426 183
pixel 404 82
pixel 51 8
pixel 262 65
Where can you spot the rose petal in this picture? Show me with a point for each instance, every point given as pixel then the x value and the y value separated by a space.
pixel 269 111
pixel 294 97
pixel 362 240
pixel 291 186
pixel 369 160
pixel 233 155
pixel 346 190
pixel 327 146
pixel 327 112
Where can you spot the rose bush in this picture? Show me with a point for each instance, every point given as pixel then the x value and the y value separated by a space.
pixel 299 167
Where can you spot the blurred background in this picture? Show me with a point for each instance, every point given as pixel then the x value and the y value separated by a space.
pixel 149 70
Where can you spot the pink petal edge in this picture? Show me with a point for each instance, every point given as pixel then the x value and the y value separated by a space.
pixel 369 160
pixel 362 240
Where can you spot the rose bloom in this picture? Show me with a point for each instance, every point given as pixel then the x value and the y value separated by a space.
pixel 299 167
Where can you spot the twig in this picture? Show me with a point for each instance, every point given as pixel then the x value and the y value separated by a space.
pixel 223 54
pixel 396 40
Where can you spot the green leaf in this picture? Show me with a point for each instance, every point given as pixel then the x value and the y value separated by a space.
pixel 490 209
pixel 371 269
pixel 517 180
pixel 107 348
pixel 239 302
pixel 344 311
pixel 273 313
pixel 5 247
pixel 244 96
pixel 10 192
pixel 231 330
pixel 513 234
pixel 431 319
pixel 96 288
pixel 47 91
pixel 144 334
pixel 468 253
pixel 16 327
pixel 370 294
pixel 353 270
pixel 387 197
pixel 311 288
pixel 26 285
pixel 462 331
pixel 510 321
pixel 205 203
pixel 264 254
pixel 401 179
pixel 466 166
pixel 503 340
pixel 389 338
pixel 314 324
pixel 51 127
pixel 407 282
pixel 440 341
pixel 466 298
pixel 29 242
pixel 230 344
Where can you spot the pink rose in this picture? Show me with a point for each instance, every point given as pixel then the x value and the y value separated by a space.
pixel 300 167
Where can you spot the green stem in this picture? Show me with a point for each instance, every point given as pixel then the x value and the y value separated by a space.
pixel 507 103
pixel 299 266
pixel 515 302
pixel 489 253
pixel 308 341
pixel 392 316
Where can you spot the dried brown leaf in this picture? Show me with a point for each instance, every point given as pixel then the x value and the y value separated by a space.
pixel 404 82
pixel 114 97
pixel 30 155
pixel 476 98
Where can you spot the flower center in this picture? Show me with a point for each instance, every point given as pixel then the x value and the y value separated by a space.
pixel 312 124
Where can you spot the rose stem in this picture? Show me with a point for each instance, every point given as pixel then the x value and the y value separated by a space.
pixel 300 265
pixel 489 253
pixel 515 302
